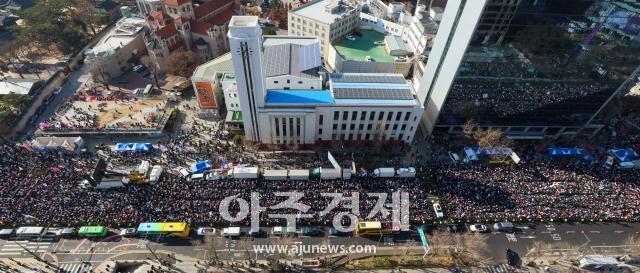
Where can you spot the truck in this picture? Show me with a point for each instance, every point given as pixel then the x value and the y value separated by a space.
pixel 106 183
pixel 155 174
pixel 406 172
pixel 384 172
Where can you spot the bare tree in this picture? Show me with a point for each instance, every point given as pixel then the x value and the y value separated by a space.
pixel 253 10
pixel 100 75
pixel 147 61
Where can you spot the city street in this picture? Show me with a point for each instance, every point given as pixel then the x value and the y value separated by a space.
pixel 560 240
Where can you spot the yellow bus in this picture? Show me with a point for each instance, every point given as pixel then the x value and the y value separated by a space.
pixel 374 228
pixel 177 229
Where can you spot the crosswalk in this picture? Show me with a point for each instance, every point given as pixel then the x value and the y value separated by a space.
pixel 74 268
pixel 16 248
pixel 502 268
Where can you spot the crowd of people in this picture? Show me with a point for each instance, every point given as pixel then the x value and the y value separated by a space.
pixel 539 190
pixel 513 97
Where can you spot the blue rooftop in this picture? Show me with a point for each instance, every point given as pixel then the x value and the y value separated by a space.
pixel 299 96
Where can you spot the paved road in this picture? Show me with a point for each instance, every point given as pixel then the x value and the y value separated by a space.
pixel 563 240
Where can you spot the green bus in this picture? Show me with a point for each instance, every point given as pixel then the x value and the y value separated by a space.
pixel 92 231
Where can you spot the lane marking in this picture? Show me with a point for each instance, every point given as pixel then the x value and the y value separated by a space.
pixel 619 231
pixel 78 247
pixel 111 249
pixel 10 253
pixel 571 232
pixel 594 231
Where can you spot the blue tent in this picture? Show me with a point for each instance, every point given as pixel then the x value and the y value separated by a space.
pixel 565 152
pixel 133 147
pixel 471 153
pixel 625 155
pixel 201 166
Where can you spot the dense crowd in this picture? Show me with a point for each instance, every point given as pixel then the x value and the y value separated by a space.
pixel 513 97
pixel 539 190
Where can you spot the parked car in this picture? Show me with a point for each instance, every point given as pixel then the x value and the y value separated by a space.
pixel 479 228
pixel 311 231
pixel 57 90
pixel 128 232
pixel 438 210
pixel 206 231
pixel 257 232
pixel 350 38
pixel 6 232
pixel 138 68
pixel 503 226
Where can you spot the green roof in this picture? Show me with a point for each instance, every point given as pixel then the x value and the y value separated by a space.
pixel 364 46
pixel 237 116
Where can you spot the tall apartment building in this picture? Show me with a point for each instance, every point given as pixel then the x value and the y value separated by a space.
pixel 326 19
pixel 454 35
pixel 495 21
pixel 284 98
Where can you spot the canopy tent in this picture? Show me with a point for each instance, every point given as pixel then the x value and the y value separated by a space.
pixel 57 143
pixel 133 147
pixel 565 152
pixel 475 153
pixel 624 155
pixel 201 166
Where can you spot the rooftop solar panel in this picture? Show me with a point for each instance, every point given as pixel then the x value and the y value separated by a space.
pixel 372 93
pixel 368 78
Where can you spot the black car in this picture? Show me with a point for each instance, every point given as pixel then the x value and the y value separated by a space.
pixel 310 231
pixel 257 233
pixel 456 228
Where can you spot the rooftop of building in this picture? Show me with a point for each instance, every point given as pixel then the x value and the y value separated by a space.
pixel 125 31
pixel 325 11
pixel 296 56
pixel 17 86
pixel 299 97
pixel 370 86
pixel 208 70
pixel 363 46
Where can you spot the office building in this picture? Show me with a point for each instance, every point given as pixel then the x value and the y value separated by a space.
pixel 328 20
pixel 286 97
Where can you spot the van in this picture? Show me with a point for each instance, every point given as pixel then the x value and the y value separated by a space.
pixel 279 231
pixel 438 210
pixel 503 226
pixel 183 172
pixel 230 232
pixel 196 177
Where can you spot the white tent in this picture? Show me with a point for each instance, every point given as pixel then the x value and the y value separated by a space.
pixel 55 143
pixel 275 174
pixel 330 174
pixel 299 174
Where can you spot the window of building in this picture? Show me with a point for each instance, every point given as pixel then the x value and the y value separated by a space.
pixel 353 115
pixel 297 126
pixel 344 127
pixel 406 116
pixel 335 126
pixel 372 115
pixel 380 115
pixel 389 116
pixel 320 119
pixel 400 137
pixel 277 121
pixel 398 116
pixel 344 115
pixel 299 82
pixel 288 81
pixel 386 126
pixel 404 126
pixel 352 127
pixel 335 115
pixel 361 126
pixel 275 82
pixel 350 137
pixel 320 131
pixel 369 126
pixel 362 115
pixel 395 127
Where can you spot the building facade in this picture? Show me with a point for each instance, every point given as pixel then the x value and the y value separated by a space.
pixel 495 21
pixel 183 25
pixel 328 20
pixel 287 98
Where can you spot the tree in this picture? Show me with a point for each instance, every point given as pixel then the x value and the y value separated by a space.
pixel 253 10
pixel 543 39
pixel 9 51
pixel 151 64
pixel 268 31
pixel 485 137
pixel 100 75
pixel 90 16
pixel 181 63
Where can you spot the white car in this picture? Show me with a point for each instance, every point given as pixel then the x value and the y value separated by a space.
pixel 350 38
pixel 57 90
pixel 138 68
pixel 127 232
pixel 205 231
pixel 438 210
pixel 478 228
pixel 369 59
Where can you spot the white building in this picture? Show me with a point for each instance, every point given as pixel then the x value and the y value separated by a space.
pixel 111 55
pixel 326 19
pixel 284 101
pixel 454 35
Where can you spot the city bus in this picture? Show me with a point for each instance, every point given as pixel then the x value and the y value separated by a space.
pixel 30 232
pixel 375 228
pixel 92 231
pixel 175 229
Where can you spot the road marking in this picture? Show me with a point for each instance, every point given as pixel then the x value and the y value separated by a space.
pixel 619 231
pixel 78 247
pixel 571 232
pixel 527 237
pixel 118 246
pixel 594 231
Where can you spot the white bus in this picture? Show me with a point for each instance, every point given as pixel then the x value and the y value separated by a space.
pixel 30 232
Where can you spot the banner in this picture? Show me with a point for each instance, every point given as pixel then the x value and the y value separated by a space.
pixel 205 94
